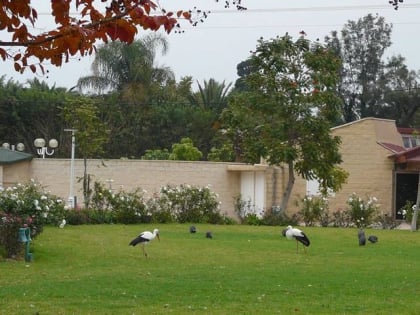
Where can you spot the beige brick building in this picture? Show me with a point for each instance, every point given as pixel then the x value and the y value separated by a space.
pixel 372 150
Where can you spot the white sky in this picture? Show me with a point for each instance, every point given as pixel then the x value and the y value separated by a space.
pixel 213 49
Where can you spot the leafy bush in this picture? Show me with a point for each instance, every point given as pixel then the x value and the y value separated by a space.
pixel 341 218
pixel 247 212
pixel 160 210
pixel 313 209
pixel 156 154
pixel 276 216
pixel 185 151
pixel 223 154
pixel 88 216
pixel 129 207
pixel 183 203
pixel 361 212
pixel 191 204
pixel 26 205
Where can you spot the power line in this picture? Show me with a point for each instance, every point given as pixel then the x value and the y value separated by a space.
pixel 320 9
pixel 298 9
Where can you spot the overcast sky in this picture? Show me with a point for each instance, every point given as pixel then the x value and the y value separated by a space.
pixel 213 49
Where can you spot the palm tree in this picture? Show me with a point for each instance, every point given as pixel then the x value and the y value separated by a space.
pixel 128 68
pixel 212 96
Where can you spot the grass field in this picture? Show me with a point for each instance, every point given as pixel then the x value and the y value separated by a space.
pixel 242 270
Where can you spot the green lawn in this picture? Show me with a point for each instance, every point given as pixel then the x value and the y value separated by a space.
pixel 242 270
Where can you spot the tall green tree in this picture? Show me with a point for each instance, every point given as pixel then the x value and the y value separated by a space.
pixel 130 72
pixel 361 45
pixel 401 93
pixel 81 115
pixel 129 69
pixel 286 113
pixel 29 111
pixel 211 95
pixel 209 102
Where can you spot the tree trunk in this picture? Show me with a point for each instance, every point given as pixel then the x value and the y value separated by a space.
pixel 289 188
pixel 86 185
pixel 416 209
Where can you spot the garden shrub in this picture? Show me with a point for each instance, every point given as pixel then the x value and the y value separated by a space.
pixel 341 218
pixel 160 210
pixel 247 212
pixel 129 207
pixel 26 205
pixel 313 209
pixel 360 211
pixel 276 216
pixel 191 204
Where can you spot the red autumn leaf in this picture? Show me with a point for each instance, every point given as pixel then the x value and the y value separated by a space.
pixel 187 15
pixel 60 9
pixel 17 66
pixel 3 54
pixel 122 30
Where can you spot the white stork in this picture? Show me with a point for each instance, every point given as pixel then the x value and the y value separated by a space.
pixel 298 235
pixel 145 238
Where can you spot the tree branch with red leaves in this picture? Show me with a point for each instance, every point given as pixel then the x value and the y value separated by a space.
pixel 115 20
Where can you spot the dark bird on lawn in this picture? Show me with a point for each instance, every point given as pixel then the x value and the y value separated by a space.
pixel 193 229
pixel 372 238
pixel 209 234
pixel 145 238
pixel 362 237
pixel 298 235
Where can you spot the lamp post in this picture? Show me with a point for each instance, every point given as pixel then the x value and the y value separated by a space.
pixel 42 149
pixel 19 147
pixel 73 145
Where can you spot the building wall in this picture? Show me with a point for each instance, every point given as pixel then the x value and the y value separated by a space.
pixel 370 169
pixel 150 176
pixel 15 173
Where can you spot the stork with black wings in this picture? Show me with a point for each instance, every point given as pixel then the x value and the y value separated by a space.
pixel 144 238
pixel 296 234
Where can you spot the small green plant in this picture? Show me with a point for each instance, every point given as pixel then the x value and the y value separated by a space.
pixel 247 212
pixel 313 209
pixel 360 211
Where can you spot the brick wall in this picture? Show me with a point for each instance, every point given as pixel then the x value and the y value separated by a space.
pixel 370 169
pixel 129 175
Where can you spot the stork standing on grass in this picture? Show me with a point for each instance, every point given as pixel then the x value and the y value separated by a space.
pixel 298 235
pixel 145 238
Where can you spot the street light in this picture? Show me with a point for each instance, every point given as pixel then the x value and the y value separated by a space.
pixel 72 200
pixel 19 147
pixel 42 149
